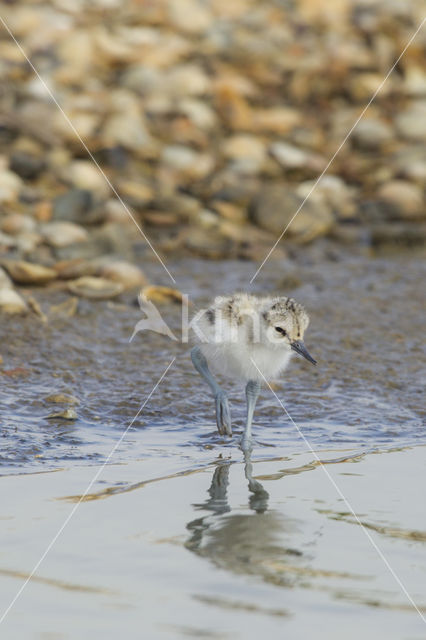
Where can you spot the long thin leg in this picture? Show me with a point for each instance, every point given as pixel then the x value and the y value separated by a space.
pixel 223 415
pixel 252 394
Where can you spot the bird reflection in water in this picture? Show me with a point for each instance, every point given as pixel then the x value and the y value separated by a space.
pixel 244 543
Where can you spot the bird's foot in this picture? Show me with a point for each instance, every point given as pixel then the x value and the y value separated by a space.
pixel 223 414
pixel 246 445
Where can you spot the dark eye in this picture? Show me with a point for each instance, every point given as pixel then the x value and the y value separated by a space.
pixel 281 330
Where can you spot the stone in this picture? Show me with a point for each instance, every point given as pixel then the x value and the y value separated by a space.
pixel 135 193
pixel 410 162
pixel 11 302
pixel 16 223
pixel 160 218
pixel 200 113
pixel 95 288
pixel 332 192
pixel 66 414
pixel 180 204
pixel 83 174
pixel 162 295
pixel 363 85
pixel 127 131
pixel 10 186
pixel 371 134
pixel 5 281
pixel 28 273
pixel 129 275
pixel 7 241
pixel 188 80
pixel 233 108
pixel 411 123
pixel 87 125
pixel 247 152
pixel 415 81
pixel 211 244
pixel 190 16
pixel 126 126
pixel 116 213
pixel 230 211
pixel 404 197
pixel 43 211
pixel 278 120
pixel 26 165
pixel 276 205
pixel 28 241
pixel 72 206
pixel 186 161
pixel 63 234
pixel 75 268
pixel 291 157
pixel 62 398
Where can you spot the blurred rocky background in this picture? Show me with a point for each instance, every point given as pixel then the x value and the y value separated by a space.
pixel 211 119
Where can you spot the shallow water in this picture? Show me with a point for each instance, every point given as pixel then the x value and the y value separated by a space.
pixel 175 538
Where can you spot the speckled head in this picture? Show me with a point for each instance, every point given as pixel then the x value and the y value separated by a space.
pixel 287 322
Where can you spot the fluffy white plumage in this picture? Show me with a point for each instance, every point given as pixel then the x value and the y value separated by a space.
pixel 242 334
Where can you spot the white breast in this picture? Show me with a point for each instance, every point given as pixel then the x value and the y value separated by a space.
pixel 246 362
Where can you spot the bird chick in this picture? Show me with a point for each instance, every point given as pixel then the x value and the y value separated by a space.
pixel 247 338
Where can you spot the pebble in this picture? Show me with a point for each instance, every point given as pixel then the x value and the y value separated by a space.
pixel 28 273
pixel 7 241
pixel 5 281
pixel 11 302
pixel 63 234
pixel 26 165
pixel 405 197
pixel 411 123
pixel 247 152
pixel 62 398
pixel 372 134
pixel 95 288
pixel 188 80
pixel 162 295
pixel 75 268
pixel 136 193
pixel 72 206
pixel 191 164
pixel 275 206
pixel 66 414
pixel 10 186
pixel 28 241
pixel 198 112
pixel 190 16
pixel 213 245
pixel 83 174
pixel 277 120
pixel 332 192
pixel 126 125
pixel 291 157
pixel 126 273
pixel 17 223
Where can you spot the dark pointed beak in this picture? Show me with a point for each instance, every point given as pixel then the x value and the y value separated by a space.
pixel 299 347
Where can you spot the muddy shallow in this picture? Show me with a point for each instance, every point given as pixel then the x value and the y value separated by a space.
pixel 170 541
